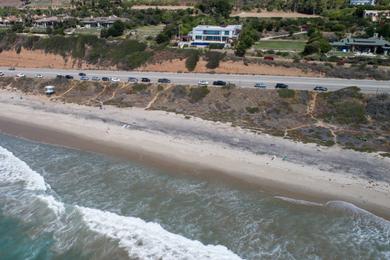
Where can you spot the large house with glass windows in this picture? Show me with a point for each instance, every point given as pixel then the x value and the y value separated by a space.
pixel 204 35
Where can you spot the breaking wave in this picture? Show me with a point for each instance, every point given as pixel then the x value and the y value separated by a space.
pixel 72 225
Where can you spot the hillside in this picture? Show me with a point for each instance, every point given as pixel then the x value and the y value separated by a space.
pixel 346 117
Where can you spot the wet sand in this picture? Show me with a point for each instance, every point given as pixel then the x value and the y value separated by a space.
pixel 113 132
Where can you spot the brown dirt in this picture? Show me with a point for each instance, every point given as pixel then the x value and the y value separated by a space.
pixel 12 3
pixel 40 59
pixel 161 7
pixel 266 14
pixel 232 67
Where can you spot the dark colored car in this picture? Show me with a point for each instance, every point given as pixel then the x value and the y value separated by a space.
pixel 59 76
pixel 82 74
pixel 268 58
pixel 281 85
pixel 219 83
pixel 68 76
pixel 145 80
pixel 132 80
pixel 164 80
pixel 320 88
pixel 105 79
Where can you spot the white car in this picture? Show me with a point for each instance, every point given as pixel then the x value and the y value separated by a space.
pixel 203 83
pixel 1 74
pixel 39 76
pixel 20 75
pixel 114 79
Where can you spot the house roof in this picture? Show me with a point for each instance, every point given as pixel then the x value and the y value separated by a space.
pixel 213 27
pixel 109 19
pixel 373 41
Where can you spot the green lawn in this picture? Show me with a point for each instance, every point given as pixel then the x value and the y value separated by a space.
pixel 93 31
pixel 141 33
pixel 290 45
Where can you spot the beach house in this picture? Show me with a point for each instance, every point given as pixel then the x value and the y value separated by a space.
pixel 204 35
pixel 362 2
pixel 100 22
pixel 375 44
pixel 377 15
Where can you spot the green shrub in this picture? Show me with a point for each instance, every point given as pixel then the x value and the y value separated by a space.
pixel 197 94
pixel 192 60
pixel 137 59
pixel 252 110
pixel 349 112
pixel 137 88
pixel 286 93
pixel 213 59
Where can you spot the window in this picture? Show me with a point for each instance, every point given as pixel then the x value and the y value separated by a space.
pixel 213 38
pixel 226 32
pixel 198 37
pixel 211 32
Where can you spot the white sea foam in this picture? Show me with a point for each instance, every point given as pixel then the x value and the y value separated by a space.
pixel 299 202
pixel 56 206
pixel 356 211
pixel 144 240
pixel 14 170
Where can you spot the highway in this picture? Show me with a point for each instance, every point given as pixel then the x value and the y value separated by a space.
pixel 303 83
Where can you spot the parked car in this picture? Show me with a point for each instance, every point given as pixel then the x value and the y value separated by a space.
pixel 68 76
pixel 20 75
pixel 163 80
pixel 281 85
pixel 105 79
pixel 219 83
pixel 1 74
pixel 260 85
pixel 203 83
pixel 39 76
pixel 49 90
pixel 320 88
pixel 11 68
pixel 96 78
pixel 59 76
pixel 82 74
pixel 115 79
pixel 268 58
pixel 84 78
pixel 132 80
pixel 145 80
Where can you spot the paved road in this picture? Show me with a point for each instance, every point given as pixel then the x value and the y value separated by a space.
pixel 305 83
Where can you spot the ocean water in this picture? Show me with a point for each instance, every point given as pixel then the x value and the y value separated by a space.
pixel 59 203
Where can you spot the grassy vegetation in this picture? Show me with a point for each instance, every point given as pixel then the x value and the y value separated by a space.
pixel 281 45
pixel 197 94
pixel 286 93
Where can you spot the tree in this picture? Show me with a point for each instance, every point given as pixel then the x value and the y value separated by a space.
pixel 216 7
pixel 115 30
pixel 316 44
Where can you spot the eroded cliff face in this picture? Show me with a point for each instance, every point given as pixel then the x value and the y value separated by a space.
pixel 346 117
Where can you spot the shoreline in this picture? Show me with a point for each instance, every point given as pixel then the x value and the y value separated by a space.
pixel 178 155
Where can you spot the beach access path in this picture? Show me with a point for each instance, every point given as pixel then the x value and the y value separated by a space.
pixel 184 145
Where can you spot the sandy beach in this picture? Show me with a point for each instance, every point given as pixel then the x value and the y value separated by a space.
pixel 211 149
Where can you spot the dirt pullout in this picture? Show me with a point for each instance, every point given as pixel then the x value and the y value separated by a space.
pixel 273 14
pixel 40 59
pixel 178 65
pixel 162 7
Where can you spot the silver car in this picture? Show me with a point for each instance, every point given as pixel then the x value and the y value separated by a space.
pixel 260 85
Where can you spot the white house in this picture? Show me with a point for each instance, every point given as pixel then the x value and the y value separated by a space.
pixel 204 35
pixel 377 15
pixel 362 2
